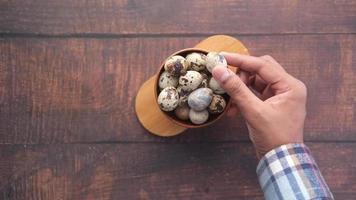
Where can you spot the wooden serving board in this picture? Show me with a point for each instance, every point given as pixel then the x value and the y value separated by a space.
pixel 150 115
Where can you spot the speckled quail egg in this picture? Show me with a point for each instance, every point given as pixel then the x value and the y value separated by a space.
pixel 190 81
pixel 205 75
pixel 200 99
pixel 183 96
pixel 196 61
pixel 198 117
pixel 217 104
pixel 182 112
pixel 213 59
pixel 168 99
pixel 214 85
pixel 176 65
pixel 204 83
pixel 167 80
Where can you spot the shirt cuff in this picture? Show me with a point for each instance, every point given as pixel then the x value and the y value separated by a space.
pixel 290 172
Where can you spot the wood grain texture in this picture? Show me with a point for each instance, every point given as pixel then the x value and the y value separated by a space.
pixel 172 17
pixel 70 70
pixel 82 90
pixel 153 171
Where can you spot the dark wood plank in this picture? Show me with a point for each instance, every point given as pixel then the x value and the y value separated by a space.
pixel 153 171
pixel 82 90
pixel 170 16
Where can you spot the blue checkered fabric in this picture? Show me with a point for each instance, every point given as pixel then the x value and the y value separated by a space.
pixel 290 172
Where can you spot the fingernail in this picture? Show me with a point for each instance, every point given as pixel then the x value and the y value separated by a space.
pixel 220 73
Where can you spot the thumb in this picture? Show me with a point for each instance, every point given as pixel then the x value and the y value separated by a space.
pixel 236 88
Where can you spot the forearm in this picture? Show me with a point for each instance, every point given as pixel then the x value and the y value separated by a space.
pixel 290 172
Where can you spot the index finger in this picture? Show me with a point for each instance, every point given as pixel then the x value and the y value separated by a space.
pixel 269 73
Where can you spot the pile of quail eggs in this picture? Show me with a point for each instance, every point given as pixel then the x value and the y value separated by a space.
pixel 188 89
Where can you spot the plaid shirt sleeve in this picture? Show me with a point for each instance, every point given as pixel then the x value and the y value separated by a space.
pixel 290 172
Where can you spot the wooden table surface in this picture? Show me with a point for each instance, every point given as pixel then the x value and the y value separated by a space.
pixel 70 70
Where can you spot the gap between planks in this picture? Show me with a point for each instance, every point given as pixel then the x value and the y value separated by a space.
pixel 151 35
pixel 165 142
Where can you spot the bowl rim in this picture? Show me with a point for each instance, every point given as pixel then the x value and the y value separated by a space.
pixel 179 122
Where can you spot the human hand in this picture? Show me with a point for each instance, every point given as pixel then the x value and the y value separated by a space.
pixel 274 108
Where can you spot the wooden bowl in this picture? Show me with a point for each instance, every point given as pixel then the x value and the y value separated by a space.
pixel 170 115
pixel 160 123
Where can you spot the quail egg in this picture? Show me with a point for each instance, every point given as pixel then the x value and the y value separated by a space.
pixel 176 65
pixel 190 81
pixel 204 83
pixel 168 99
pixel 167 80
pixel 200 99
pixel 182 112
pixel 213 59
pixel 205 75
pixel 214 85
pixel 183 96
pixel 196 61
pixel 217 104
pixel 198 117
